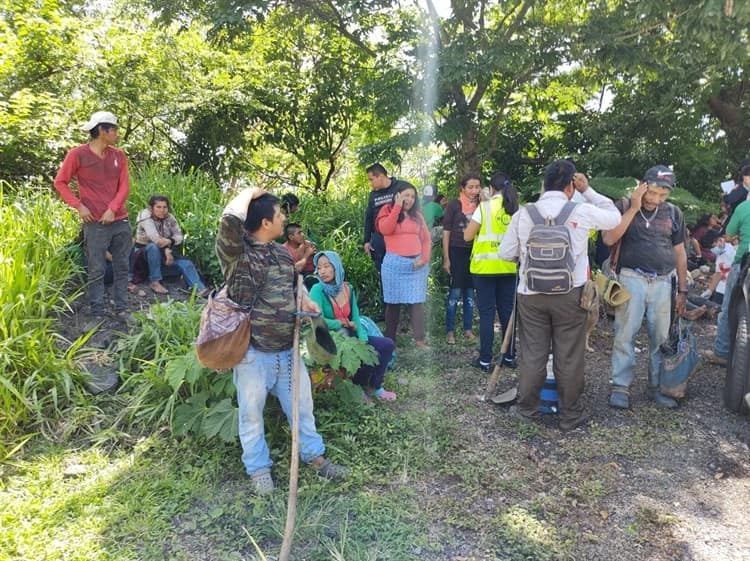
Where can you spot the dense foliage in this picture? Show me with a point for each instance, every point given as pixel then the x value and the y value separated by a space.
pixel 300 93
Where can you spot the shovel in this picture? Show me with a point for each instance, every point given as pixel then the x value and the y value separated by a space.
pixel 492 383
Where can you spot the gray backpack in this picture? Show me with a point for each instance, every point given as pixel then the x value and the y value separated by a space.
pixel 549 255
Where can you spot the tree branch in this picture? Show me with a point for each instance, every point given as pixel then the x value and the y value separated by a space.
pixel 335 19
pixel 643 30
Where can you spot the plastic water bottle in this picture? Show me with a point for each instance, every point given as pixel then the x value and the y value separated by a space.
pixel 549 390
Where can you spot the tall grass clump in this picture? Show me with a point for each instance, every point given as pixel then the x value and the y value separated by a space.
pixel 163 383
pixel 34 269
pixel 196 201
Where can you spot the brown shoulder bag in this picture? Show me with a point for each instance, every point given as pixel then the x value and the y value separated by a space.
pixel 224 334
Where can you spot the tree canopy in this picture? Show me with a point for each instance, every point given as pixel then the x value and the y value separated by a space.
pixel 302 91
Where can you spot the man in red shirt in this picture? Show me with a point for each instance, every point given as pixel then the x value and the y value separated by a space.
pixel 101 173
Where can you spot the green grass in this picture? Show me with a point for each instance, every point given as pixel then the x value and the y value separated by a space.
pixel 36 378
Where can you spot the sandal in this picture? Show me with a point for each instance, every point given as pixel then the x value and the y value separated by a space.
pixel 385 395
pixel 262 481
pixel 158 287
pixel 450 338
pixel 329 470
pixel 469 336
pixel 131 287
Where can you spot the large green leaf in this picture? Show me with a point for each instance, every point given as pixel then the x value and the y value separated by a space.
pixel 222 420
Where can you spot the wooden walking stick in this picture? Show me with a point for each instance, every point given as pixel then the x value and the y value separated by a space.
pixel 291 508
pixel 507 339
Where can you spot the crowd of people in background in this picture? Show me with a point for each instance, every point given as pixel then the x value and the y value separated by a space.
pixel 484 235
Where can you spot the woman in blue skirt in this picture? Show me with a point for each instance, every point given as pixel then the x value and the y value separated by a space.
pixel 405 267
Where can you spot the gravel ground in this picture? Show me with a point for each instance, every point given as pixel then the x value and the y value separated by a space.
pixel 674 484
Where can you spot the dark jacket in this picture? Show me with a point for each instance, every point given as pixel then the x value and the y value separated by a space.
pixel 376 200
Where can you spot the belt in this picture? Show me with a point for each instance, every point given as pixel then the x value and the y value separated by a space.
pixel 647 274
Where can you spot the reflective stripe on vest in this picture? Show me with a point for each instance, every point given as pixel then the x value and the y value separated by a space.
pixel 484 258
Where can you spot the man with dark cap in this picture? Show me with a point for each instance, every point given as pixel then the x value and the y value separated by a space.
pixel 651 257
pixel 101 174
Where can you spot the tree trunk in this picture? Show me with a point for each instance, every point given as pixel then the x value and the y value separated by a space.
pixel 468 159
pixel 729 106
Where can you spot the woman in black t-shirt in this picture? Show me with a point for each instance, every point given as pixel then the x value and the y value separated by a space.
pixel 457 255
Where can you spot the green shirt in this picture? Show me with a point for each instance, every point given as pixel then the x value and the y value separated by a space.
pixel 740 225
pixel 324 303
pixel 432 211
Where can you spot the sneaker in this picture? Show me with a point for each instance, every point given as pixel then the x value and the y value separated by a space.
pixel 124 316
pixel 329 470
pixel 483 366
pixel 95 321
pixel 713 358
pixel 262 482
pixel 619 400
pixel 663 401
pixel 510 362
pixel 385 395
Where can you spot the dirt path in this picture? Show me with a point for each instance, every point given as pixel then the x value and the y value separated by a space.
pixel 639 484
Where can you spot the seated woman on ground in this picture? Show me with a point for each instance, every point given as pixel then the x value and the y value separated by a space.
pixel 158 237
pixel 338 304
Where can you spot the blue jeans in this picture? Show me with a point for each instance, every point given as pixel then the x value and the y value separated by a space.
pixel 451 307
pixel 721 343
pixel 255 377
pixel 652 298
pixel 495 297
pixel 117 239
pixel 181 266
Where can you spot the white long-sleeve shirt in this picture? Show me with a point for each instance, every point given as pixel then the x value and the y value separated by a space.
pixel 597 213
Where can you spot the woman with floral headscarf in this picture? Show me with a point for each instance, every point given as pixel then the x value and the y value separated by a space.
pixel 338 303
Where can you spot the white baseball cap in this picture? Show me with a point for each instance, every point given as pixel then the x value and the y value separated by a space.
pixel 98 118
pixel 428 191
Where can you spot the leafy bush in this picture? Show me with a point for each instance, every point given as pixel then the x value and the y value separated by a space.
pixel 35 378
pixel 164 382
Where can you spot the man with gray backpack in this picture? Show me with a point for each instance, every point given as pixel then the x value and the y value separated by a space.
pixel 549 239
